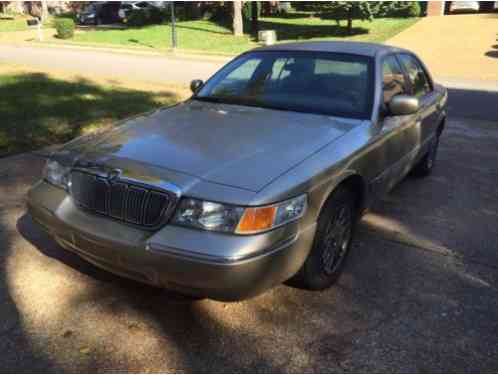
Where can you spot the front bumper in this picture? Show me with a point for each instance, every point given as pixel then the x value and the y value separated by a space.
pixel 213 265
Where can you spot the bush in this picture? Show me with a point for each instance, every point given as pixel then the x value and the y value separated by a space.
pixel 65 28
pixel 137 18
pixel 220 14
pixel 309 6
pixel 413 10
pixel 396 9
pixel 149 16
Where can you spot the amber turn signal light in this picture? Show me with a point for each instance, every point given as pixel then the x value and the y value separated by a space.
pixel 257 219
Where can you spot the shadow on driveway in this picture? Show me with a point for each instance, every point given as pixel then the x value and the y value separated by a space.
pixel 473 104
pixel 400 305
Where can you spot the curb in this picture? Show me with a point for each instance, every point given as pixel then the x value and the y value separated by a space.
pixel 178 55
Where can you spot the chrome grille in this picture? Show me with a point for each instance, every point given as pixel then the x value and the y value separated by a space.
pixel 120 200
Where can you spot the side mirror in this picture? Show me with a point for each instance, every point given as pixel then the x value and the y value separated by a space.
pixel 195 85
pixel 401 105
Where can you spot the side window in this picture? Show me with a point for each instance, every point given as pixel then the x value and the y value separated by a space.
pixel 416 74
pixel 278 71
pixel 393 79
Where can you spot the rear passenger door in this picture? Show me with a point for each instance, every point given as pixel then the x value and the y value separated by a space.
pixel 421 86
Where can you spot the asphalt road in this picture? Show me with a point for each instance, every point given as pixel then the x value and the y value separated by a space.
pixel 419 294
pixel 88 62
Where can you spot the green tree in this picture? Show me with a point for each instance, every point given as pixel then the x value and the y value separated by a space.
pixel 350 10
pixel 396 9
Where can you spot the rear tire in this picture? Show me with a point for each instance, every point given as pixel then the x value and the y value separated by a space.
pixel 332 242
pixel 426 165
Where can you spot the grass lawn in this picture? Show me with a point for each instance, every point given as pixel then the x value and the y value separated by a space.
pixel 39 109
pixel 207 36
pixel 19 24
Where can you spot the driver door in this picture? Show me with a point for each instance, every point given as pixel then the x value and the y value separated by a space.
pixel 395 130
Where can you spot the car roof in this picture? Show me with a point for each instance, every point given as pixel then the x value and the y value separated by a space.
pixel 355 48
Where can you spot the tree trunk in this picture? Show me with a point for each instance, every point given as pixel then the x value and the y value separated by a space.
pixel 254 17
pixel 44 13
pixel 350 21
pixel 238 28
pixel 34 9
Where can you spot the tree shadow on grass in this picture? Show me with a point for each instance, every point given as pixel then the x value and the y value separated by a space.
pixel 292 31
pixel 207 30
pixel 304 32
pixel 37 110
pixel 295 15
pixel 138 42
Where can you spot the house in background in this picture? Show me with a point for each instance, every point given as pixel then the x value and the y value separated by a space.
pixel 441 8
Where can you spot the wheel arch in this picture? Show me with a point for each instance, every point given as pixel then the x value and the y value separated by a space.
pixel 441 125
pixel 354 182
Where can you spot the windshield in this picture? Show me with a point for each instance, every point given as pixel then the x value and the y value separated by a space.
pixel 325 83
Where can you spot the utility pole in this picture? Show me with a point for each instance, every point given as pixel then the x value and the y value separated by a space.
pixel 173 26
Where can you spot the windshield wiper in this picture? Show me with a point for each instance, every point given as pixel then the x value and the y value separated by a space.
pixel 242 101
pixel 231 100
pixel 211 99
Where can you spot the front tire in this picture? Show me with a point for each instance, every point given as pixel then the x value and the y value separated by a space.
pixel 332 242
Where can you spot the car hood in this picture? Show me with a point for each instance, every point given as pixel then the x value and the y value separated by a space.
pixel 238 146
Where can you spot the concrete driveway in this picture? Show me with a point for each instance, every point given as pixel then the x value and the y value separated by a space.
pixel 462 46
pixel 419 294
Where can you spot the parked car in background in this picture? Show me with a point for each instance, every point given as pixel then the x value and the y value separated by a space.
pixel 127 7
pixel 464 6
pixel 99 13
pixel 259 178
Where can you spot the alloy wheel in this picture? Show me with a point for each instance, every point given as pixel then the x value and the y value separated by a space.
pixel 336 240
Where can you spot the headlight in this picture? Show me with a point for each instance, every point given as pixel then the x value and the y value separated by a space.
pixel 56 174
pixel 241 220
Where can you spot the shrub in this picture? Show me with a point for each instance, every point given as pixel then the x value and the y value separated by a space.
pixel 149 16
pixel 221 14
pixel 137 18
pixel 156 15
pixel 396 9
pixel 412 10
pixel 65 28
pixel 379 9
